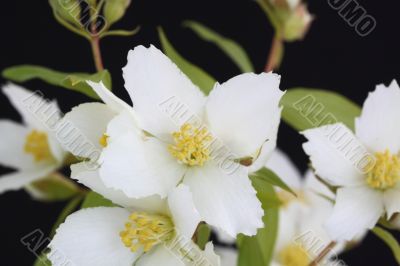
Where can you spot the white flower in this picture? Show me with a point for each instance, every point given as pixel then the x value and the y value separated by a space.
pixel 150 151
pixel 31 148
pixel 301 235
pixel 143 232
pixel 364 166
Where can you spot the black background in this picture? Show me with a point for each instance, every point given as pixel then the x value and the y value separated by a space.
pixel 332 56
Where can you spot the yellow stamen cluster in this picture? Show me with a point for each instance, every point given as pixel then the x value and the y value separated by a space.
pixel 385 173
pixel 191 145
pixel 103 141
pixel 37 144
pixel 294 255
pixel 146 231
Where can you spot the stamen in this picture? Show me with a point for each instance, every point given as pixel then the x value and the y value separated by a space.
pixel 385 172
pixel 37 144
pixel 146 231
pixel 294 255
pixel 191 145
pixel 103 141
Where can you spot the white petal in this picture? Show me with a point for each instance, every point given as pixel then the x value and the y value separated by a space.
pixel 55 147
pixel 378 126
pixel 159 256
pixel 209 253
pixel 121 124
pixel 36 111
pixel 229 256
pixel 139 168
pixel 269 146
pixel 83 127
pixel 91 179
pixel 242 111
pixel 19 179
pixel 185 216
pixel 13 137
pixel 91 237
pixel 225 200
pixel 391 199
pixel 313 186
pixel 112 101
pixel 332 157
pixel 356 210
pixel 281 165
pixel 224 237
pixel 289 224
pixel 156 85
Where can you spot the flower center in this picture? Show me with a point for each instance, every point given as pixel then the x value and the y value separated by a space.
pixel 146 231
pixel 294 255
pixel 103 141
pixel 191 145
pixel 37 144
pixel 385 173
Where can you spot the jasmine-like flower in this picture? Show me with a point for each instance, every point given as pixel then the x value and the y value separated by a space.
pixel 301 234
pixel 365 167
pixel 31 147
pixel 144 232
pixel 155 147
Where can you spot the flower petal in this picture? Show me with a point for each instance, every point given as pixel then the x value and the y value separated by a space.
pixel 356 210
pixel 112 101
pixel 335 154
pixel 313 186
pixel 139 167
pixel 83 127
pixel 283 166
pixel 36 112
pixel 91 179
pixel 19 179
pixel 378 126
pixel 229 256
pixel 159 256
pixel 12 146
pixel 212 258
pixel 391 200
pixel 225 200
pixel 154 82
pixel 91 237
pixel 242 111
pixel 185 216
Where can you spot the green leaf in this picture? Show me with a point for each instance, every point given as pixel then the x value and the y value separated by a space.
pixel 389 240
pixel 114 10
pixel 68 209
pixel 203 235
pixel 228 46
pixel 198 76
pixel 305 108
pixel 270 177
pixel 72 81
pixel 94 199
pixel 258 250
pixel 54 188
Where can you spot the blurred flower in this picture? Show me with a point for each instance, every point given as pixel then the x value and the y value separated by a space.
pixel 365 193
pixel 144 232
pixel 147 152
pixel 301 234
pixel 32 147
